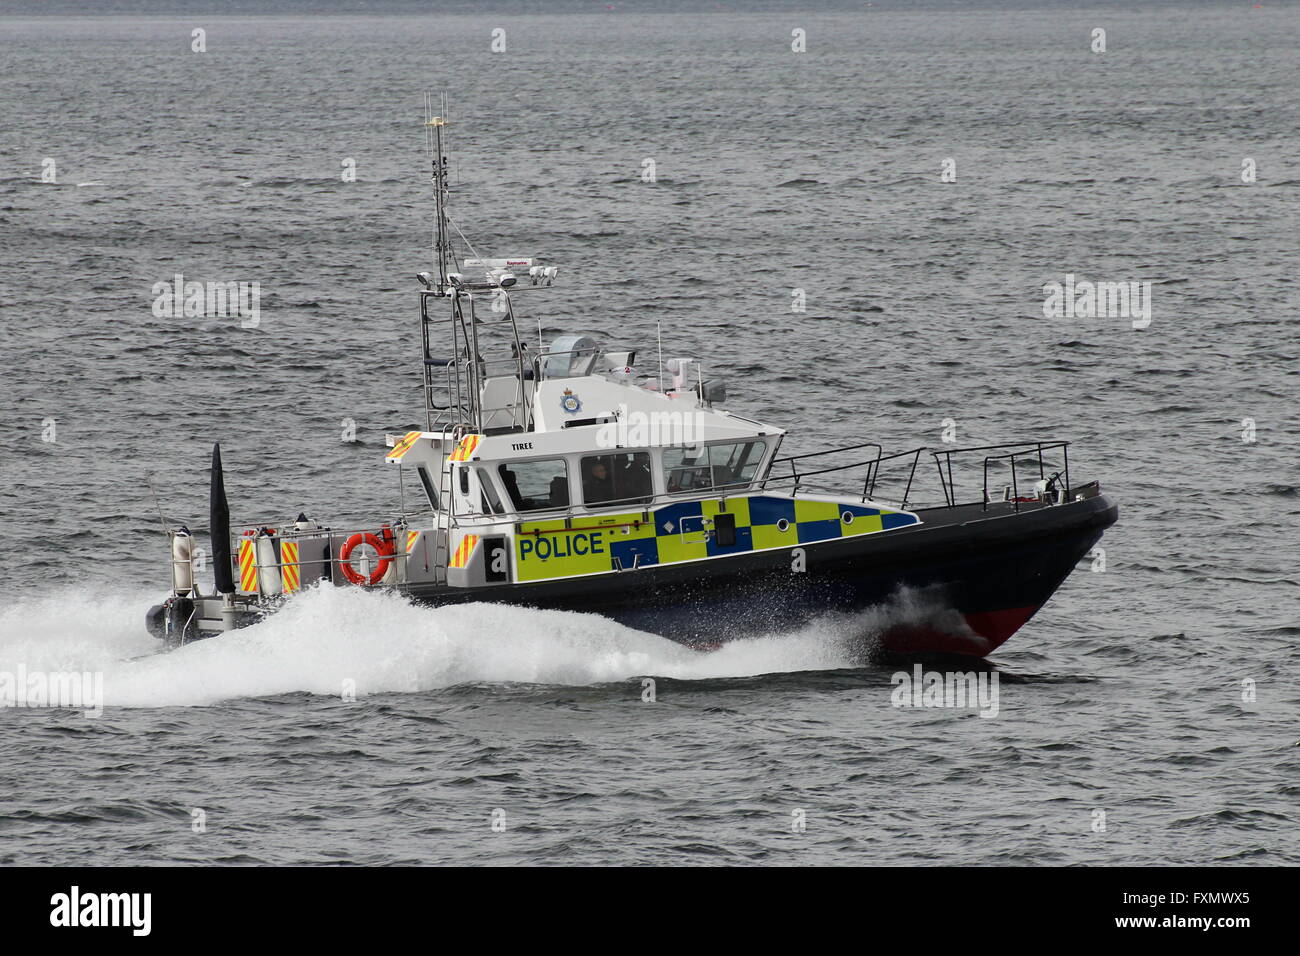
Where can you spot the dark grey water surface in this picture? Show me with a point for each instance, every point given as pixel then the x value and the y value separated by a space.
pixel 775 171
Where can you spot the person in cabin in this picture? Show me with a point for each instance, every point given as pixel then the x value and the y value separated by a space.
pixel 597 482
pixel 634 479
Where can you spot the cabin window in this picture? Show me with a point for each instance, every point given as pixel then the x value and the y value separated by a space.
pixel 713 466
pixel 536 485
pixel 429 490
pixel 491 500
pixel 617 479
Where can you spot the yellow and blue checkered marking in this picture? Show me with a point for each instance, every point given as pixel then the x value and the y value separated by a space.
pixel 685 532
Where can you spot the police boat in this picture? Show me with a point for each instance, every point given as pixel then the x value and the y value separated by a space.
pixel 559 476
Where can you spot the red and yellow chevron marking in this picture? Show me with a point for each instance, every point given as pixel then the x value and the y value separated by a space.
pixel 289 566
pixel 466 448
pixel 463 551
pixel 247 565
pixel 411 538
pixel 403 446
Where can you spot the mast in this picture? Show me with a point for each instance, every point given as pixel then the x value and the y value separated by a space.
pixel 464 374
pixel 457 391
pixel 442 251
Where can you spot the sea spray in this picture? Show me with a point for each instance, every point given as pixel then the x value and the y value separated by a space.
pixel 351 643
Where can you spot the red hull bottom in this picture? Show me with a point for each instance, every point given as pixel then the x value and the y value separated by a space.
pixel 985 631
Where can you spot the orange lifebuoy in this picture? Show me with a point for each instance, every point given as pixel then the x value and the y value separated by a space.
pixel 383 548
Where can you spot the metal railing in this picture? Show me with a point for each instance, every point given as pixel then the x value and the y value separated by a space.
pixel 329 566
pixel 467 369
pixel 1020 452
pixel 872 465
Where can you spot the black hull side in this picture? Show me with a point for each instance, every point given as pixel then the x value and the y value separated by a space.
pixel 995 568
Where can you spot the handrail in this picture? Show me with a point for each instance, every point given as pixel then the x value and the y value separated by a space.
pixel 1021 451
pixel 828 451
pixel 873 473
pixel 872 465
pixel 330 562
pixel 797 477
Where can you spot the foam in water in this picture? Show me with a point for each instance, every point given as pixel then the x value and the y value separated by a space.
pixel 383 643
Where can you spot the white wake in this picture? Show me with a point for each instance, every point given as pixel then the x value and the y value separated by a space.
pixel 380 642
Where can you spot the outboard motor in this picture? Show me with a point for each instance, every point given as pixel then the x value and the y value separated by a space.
pixel 155 621
pixel 182 625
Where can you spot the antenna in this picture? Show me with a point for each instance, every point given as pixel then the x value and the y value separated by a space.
pixel 161 520
pixel 660 336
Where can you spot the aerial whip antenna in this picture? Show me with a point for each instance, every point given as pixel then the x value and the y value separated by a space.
pixel 659 334
pixel 161 520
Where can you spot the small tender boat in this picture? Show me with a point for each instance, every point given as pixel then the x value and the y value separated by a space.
pixel 561 477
